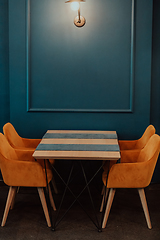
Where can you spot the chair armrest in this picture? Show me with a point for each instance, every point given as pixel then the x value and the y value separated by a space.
pixel 129 156
pixel 24 173
pixel 130 175
pixel 127 144
pixel 31 143
pixel 24 154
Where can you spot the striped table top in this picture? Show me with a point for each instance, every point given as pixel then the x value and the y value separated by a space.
pixel 79 145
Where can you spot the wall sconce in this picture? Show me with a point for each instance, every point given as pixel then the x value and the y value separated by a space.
pixel 79 21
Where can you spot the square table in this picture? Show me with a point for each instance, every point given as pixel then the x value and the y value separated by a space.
pixel 78 145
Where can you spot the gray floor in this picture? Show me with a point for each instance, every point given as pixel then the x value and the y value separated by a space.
pixel 126 221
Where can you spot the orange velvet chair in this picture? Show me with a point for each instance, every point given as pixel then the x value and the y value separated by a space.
pixel 134 172
pixel 19 171
pixel 139 143
pixel 16 141
pixel 128 145
pixel 28 144
pixel 133 144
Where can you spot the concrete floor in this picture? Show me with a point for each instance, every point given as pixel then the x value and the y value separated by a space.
pixel 126 220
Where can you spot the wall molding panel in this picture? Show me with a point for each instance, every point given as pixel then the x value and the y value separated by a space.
pixel 97 77
pixel 29 78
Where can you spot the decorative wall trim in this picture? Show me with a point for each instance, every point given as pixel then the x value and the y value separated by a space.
pixel 28 69
pixel 28 54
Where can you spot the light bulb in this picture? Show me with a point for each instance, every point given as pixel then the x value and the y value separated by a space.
pixel 74 6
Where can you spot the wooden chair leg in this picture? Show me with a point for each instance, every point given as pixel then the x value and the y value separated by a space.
pixel 108 207
pixel 51 198
pixel 145 207
pixel 103 188
pixel 13 199
pixel 54 185
pixel 11 194
pixel 44 205
pixel 105 193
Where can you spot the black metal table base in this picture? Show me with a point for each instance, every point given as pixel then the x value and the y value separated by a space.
pixel 76 198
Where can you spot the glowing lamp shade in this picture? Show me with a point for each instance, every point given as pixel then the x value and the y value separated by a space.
pixel 75 6
pixel 79 21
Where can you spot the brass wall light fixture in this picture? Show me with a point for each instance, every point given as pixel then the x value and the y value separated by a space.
pixel 79 21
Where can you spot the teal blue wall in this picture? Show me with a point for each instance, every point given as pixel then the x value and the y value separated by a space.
pixel 155 96
pixel 4 67
pixel 155 88
pixel 96 77
pixel 88 78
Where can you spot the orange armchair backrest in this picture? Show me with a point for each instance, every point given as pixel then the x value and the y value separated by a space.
pixel 150 130
pixel 12 136
pixel 137 174
pixel 16 171
pixel 5 148
pixel 149 155
pixel 151 148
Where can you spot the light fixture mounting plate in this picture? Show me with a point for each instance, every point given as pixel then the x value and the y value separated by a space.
pixel 80 23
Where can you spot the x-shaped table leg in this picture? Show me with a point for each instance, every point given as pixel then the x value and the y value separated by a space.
pixel 76 197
